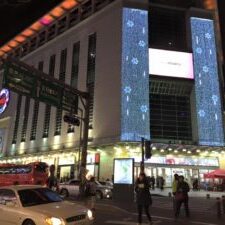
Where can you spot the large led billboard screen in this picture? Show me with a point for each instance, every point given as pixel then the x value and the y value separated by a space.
pixel 170 63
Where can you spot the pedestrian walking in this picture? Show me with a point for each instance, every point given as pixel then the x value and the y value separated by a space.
pixel 195 185
pixel 161 183
pixel 90 193
pixel 52 181
pixel 144 199
pixel 181 196
pixel 174 189
pixel 153 183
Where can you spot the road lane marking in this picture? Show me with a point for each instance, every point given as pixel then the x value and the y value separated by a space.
pixel 172 219
pixel 202 223
pixel 129 223
pixel 157 217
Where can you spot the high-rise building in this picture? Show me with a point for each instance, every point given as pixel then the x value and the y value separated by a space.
pixel 153 70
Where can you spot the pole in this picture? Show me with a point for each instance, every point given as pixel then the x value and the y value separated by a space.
pixel 84 145
pixel 223 203
pixel 218 207
pixel 142 164
pixel 80 141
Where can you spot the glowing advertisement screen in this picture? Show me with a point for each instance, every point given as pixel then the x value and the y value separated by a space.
pixel 208 100
pixel 134 76
pixel 171 63
pixel 123 171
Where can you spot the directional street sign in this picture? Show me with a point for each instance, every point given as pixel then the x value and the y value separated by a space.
pixel 50 93
pixel 70 102
pixel 19 80
pixel 28 81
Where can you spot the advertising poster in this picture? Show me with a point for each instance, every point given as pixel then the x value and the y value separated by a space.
pixel 123 171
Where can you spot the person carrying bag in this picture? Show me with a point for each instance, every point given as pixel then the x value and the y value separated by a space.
pixel 181 196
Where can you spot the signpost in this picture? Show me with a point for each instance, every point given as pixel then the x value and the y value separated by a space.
pixel 26 80
pixel 33 83
pixel 19 80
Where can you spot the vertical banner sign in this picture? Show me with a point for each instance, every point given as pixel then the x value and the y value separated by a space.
pixel 207 90
pixel 135 76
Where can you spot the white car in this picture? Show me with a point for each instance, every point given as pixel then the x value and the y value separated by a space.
pixel 36 205
pixel 72 188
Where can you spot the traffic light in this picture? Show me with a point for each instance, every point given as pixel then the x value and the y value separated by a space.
pixel 71 120
pixel 148 149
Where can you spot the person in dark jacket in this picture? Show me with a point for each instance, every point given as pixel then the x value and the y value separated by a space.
pixel 143 195
pixel 52 181
pixel 182 196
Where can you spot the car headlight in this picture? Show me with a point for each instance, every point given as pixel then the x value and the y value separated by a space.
pixel 54 221
pixel 107 190
pixel 90 214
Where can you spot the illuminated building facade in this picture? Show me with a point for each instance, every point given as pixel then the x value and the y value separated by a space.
pixel 152 70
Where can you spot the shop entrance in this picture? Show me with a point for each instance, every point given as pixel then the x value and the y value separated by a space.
pixel 65 172
pixel 189 173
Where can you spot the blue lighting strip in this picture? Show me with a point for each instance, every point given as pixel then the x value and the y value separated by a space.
pixel 208 99
pixel 135 77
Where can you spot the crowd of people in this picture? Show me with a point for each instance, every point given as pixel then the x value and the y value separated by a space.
pixel 157 182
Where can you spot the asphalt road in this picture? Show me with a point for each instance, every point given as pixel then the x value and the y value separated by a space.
pixel 203 212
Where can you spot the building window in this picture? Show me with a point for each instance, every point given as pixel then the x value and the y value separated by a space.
pixel 170 117
pixel 62 76
pixel 75 65
pixel 74 74
pixel 25 119
pixel 48 107
pixel 91 72
pixel 167 29
pixel 19 101
pixel 35 110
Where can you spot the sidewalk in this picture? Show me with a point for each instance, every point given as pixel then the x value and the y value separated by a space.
pixel 201 193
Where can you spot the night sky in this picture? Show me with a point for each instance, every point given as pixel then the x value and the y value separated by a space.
pixel 16 17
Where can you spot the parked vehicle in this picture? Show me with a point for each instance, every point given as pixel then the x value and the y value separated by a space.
pixel 32 173
pixel 106 183
pixel 72 188
pixel 36 205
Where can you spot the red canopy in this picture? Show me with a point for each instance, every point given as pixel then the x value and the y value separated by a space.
pixel 219 173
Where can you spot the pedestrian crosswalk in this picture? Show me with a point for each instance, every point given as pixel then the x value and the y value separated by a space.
pixel 129 222
pixel 203 206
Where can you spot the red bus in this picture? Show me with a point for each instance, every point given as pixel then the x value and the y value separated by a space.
pixel 32 173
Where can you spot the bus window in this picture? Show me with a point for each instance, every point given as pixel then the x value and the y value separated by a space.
pixel 32 173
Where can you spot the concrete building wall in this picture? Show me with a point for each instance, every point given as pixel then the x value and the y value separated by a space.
pixel 106 125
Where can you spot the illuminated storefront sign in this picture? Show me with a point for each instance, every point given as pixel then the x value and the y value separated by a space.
pixel 134 76
pixel 183 161
pixel 207 89
pixel 4 99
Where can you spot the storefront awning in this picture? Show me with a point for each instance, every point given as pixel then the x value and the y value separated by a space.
pixel 215 174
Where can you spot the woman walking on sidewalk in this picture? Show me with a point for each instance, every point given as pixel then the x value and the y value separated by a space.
pixel 143 195
pixel 181 196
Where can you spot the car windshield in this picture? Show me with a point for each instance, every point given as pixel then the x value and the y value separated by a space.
pixel 38 196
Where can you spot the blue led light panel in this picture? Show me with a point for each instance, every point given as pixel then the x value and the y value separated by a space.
pixel 135 77
pixel 208 100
